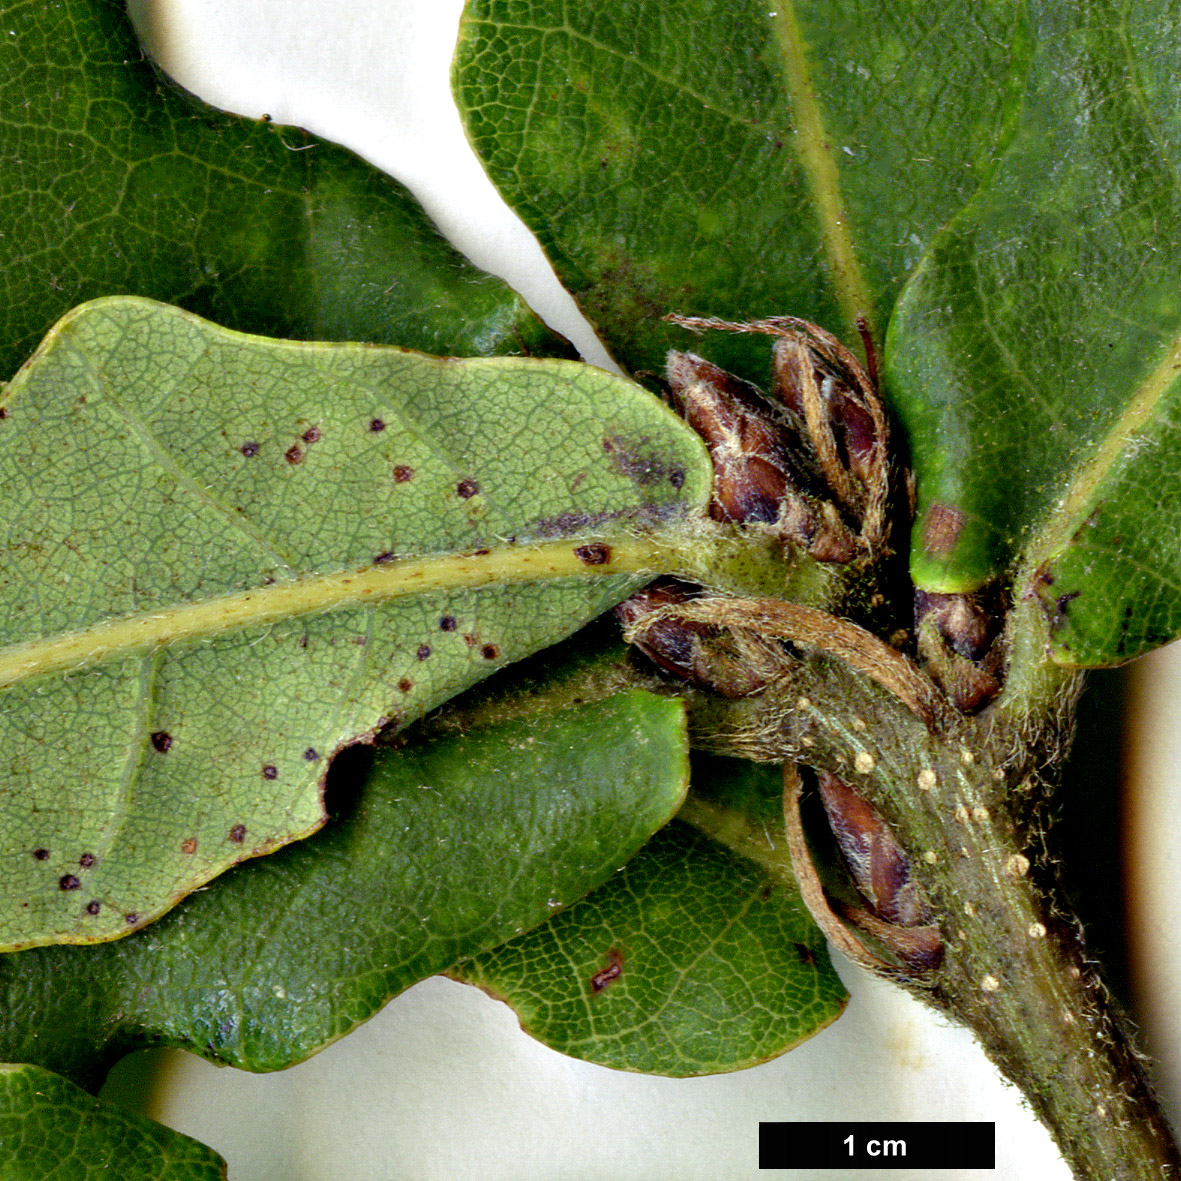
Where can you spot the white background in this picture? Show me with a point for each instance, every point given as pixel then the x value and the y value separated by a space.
pixel 442 1084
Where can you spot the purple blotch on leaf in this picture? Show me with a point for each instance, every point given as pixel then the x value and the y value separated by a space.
pixel 238 833
pixel 249 450
pixel 68 882
pixel 161 740
pixel 270 772
pixel 40 854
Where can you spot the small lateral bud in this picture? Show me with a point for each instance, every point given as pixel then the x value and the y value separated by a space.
pixel 798 365
pixel 696 652
pixel 958 638
pixel 877 862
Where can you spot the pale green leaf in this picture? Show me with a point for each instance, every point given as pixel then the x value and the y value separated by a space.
pixel 225 558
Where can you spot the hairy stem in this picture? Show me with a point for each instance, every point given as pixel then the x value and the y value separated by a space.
pixel 968 805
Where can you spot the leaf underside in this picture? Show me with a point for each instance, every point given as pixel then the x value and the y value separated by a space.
pixel 440 850
pixel 994 186
pixel 156 468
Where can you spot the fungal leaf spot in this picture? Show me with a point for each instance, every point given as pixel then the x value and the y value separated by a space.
pixel 593 555
pixel 609 974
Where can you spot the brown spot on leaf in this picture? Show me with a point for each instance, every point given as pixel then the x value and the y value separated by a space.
pixel 238 833
pixel 68 882
pixel 189 846
pixel 161 740
pixel 490 652
pixel 40 854
pixel 270 772
pixel 612 971
pixel 806 954
pixel 447 623
pixel 766 892
pixel 250 450
pixel 384 557
pixel 293 454
pixel 593 555
pixel 424 650
pixel 405 685
pixel 376 425
pixel 3 412
pixel 643 467
pixel 403 474
pixel 470 639
pixel 1061 607
pixel 311 435
pixel 311 754
pixel 93 907
pixel 942 528
pixel 131 919
pixel 466 488
pixel 86 860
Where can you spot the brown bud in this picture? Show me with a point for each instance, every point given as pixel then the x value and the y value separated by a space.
pixel 877 862
pixel 958 639
pixel 749 443
pixel 800 372
pixel 763 472
pixel 700 653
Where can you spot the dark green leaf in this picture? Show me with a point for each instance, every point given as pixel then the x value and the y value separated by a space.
pixel 51 1129
pixel 1036 348
pixel 691 960
pixel 451 846
pixel 1013 167
pixel 245 554
pixel 736 159
pixel 116 181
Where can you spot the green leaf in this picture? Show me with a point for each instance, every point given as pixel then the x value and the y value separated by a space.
pixel 116 181
pixel 50 1128
pixel 246 554
pixel 691 960
pixel 448 847
pixel 736 159
pixel 1037 345
pixel 996 182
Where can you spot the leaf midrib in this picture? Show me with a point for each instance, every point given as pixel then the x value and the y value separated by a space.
pixel 820 168
pixel 315 594
pixel 1074 505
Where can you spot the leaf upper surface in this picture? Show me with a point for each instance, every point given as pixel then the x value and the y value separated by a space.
pixel 736 159
pixel 996 183
pixel 691 960
pixel 225 558
pixel 117 181
pixel 51 1128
